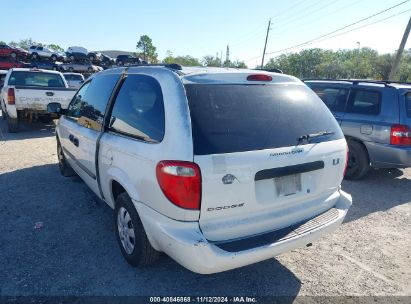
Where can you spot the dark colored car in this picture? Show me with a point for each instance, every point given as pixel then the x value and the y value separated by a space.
pixel 6 64
pixel 76 56
pixel 45 64
pixel 127 59
pixel 8 51
pixel 106 61
pixel 375 117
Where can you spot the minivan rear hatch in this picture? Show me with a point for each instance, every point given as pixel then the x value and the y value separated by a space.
pixel 261 171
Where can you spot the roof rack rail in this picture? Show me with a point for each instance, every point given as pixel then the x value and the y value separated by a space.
pixel 171 66
pixel 386 83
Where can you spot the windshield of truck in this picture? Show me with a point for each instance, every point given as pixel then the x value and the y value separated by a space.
pixel 36 79
pixel 236 118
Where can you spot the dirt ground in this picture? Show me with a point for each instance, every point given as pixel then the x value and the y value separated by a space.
pixel 75 252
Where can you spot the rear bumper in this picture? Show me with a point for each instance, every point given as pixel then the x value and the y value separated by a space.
pixel 185 243
pixel 388 156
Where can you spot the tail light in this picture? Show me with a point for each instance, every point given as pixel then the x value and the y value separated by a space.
pixel 180 182
pixel 11 98
pixel 346 160
pixel 259 77
pixel 400 135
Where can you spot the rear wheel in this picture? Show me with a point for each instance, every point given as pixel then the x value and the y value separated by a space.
pixel 358 162
pixel 13 55
pixel 90 70
pixel 65 168
pixel 53 58
pixel 34 55
pixel 71 69
pixel 12 124
pixel 131 236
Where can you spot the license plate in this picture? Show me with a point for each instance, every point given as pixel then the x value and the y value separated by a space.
pixel 288 185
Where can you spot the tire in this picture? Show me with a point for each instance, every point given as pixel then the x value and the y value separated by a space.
pixel 13 55
pixel 12 124
pixel 138 252
pixel 71 58
pixel 358 161
pixel 34 55
pixel 45 119
pixel 53 58
pixel 71 69
pixel 90 70
pixel 65 168
pixel 91 58
pixel 120 62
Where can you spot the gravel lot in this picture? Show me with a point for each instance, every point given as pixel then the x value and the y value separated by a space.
pixel 76 253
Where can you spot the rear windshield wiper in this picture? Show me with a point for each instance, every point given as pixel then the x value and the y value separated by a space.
pixel 307 137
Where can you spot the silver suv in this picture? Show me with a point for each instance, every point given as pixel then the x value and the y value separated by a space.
pixel 375 117
pixel 218 168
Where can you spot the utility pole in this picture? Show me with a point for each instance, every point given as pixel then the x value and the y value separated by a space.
pixel 396 63
pixel 265 44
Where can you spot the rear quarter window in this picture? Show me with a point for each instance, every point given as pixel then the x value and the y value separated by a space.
pixel 238 118
pixel 365 102
pixel 334 98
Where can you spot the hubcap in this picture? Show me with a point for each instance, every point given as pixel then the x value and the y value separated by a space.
pixel 125 230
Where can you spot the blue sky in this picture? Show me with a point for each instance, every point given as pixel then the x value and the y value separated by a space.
pixel 202 27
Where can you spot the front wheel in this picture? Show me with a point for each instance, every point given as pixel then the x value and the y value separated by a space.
pixel 65 168
pixel 358 162
pixel 130 233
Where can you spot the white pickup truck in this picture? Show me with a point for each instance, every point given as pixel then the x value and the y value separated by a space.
pixel 27 92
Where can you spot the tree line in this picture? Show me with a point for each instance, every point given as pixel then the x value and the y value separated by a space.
pixel 364 63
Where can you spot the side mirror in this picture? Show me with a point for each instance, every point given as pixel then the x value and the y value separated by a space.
pixel 54 108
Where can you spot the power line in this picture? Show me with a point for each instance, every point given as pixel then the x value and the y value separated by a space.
pixel 365 25
pixel 318 39
pixel 305 14
pixel 337 30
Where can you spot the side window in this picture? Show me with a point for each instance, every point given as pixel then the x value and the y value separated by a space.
pixel 40 48
pixel 334 98
pixel 94 101
pixel 364 102
pixel 74 107
pixel 408 104
pixel 139 109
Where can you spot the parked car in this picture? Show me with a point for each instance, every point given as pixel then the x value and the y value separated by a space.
pixel 127 59
pixel 37 52
pixel 74 80
pixel 13 52
pixel 27 92
pixel 375 117
pixel 95 56
pixel 107 61
pixel 45 64
pixel 80 67
pixel 6 64
pixel 217 168
pixel 77 53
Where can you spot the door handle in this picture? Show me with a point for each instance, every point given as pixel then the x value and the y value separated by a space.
pixel 73 140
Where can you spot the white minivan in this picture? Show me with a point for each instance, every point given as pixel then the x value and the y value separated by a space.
pixel 218 168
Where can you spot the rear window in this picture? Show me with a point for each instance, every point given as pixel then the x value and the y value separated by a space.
pixel 73 77
pixel 237 118
pixel 36 79
pixel 408 104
